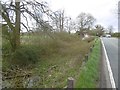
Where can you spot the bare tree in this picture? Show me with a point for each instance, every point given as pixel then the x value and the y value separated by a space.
pixel 110 29
pixel 99 30
pixel 58 20
pixel 99 27
pixel 85 21
pixel 13 11
pixel 70 24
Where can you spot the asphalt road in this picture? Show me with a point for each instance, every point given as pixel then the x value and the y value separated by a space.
pixel 111 45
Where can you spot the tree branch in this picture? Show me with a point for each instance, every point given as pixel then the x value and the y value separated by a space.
pixel 25 26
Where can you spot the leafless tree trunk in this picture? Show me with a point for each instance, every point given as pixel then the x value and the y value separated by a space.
pixel 18 8
pixel 62 20
pixel 16 31
pixel 59 20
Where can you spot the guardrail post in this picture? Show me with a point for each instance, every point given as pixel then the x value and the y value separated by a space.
pixel 90 49
pixel 86 57
pixel 70 82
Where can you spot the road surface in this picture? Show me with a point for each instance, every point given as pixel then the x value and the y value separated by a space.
pixel 111 46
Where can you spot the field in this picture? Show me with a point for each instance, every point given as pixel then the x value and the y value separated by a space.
pixel 45 60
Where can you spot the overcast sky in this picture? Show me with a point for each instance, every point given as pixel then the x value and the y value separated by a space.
pixel 105 11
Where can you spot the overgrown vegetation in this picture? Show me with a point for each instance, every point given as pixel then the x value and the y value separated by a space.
pixel 89 75
pixel 116 35
pixel 53 60
pixel 89 39
pixel 48 53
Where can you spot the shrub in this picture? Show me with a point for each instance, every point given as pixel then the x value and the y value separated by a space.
pixel 24 56
pixel 6 47
pixel 116 35
pixel 89 39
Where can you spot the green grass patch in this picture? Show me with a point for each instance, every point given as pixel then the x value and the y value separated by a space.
pixel 89 75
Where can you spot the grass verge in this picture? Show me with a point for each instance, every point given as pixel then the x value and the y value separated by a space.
pixel 89 75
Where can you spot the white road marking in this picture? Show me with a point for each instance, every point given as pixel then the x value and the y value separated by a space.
pixel 109 67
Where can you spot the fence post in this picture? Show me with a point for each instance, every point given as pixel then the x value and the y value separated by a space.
pixel 70 82
pixel 86 57
pixel 90 49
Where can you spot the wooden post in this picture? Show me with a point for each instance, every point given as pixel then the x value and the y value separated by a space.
pixel 70 82
pixel 86 57
pixel 90 49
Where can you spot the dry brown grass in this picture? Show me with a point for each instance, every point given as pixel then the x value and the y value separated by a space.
pixel 60 57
